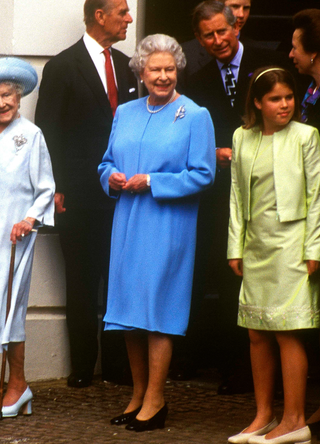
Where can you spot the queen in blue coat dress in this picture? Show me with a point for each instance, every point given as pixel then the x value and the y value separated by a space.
pixel 161 156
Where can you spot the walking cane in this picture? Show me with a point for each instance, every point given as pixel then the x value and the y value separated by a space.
pixel 4 353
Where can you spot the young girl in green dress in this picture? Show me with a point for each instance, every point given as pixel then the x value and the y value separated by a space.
pixel 274 244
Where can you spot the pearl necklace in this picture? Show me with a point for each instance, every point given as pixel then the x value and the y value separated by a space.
pixel 160 109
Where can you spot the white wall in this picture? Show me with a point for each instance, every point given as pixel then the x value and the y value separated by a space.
pixel 36 30
pixel 46 27
pixel 39 29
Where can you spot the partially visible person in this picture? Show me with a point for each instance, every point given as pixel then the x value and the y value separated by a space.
pixel 78 96
pixel 240 9
pixel 27 190
pixel 305 54
pixel 160 158
pixel 274 245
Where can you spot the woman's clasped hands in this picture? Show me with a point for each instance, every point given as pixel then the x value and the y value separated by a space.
pixel 136 184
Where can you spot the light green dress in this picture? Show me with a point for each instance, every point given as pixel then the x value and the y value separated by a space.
pixel 276 292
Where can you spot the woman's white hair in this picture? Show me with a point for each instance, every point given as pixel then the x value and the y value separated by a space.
pixel 156 43
pixel 17 87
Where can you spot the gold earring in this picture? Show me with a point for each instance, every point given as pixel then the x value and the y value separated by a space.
pixel 311 61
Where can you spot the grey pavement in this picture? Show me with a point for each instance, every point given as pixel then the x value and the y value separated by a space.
pixel 197 414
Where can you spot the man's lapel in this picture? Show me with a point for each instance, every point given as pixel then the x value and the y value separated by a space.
pixel 91 76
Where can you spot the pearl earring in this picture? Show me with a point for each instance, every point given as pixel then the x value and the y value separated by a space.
pixel 311 61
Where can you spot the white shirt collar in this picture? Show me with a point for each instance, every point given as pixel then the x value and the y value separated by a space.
pixel 95 51
pixel 94 48
pixel 236 61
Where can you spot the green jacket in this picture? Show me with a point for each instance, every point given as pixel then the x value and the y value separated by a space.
pixel 296 170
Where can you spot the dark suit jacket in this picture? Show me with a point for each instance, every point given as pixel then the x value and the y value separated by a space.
pixel 197 57
pixel 74 114
pixel 206 88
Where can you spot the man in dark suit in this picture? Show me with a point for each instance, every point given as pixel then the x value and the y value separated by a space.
pixel 197 55
pixel 75 111
pixel 217 33
pixel 217 29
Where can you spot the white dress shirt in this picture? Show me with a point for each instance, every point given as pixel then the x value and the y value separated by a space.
pixel 95 51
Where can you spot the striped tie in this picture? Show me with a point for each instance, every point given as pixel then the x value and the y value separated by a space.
pixel 230 83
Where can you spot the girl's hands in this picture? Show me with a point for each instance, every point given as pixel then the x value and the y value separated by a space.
pixel 237 266
pixel 312 266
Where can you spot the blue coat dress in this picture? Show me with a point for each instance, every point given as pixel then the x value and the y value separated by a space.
pixel 26 190
pixel 154 232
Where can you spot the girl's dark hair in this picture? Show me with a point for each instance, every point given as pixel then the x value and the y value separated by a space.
pixel 309 23
pixel 261 85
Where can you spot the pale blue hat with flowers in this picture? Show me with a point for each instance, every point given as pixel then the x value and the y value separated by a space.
pixel 13 69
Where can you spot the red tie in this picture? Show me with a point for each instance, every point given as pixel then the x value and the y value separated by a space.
pixel 111 83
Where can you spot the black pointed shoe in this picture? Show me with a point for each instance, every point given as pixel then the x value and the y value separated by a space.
pixel 125 418
pixel 156 422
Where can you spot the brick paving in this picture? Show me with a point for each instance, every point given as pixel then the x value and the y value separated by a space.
pixel 197 415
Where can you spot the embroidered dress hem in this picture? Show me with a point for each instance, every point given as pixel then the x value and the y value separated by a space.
pixel 277 318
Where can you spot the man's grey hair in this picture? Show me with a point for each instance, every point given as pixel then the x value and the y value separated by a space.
pixel 156 43
pixel 90 7
pixel 208 9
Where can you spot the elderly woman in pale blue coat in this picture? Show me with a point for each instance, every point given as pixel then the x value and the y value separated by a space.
pixel 161 155
pixel 26 190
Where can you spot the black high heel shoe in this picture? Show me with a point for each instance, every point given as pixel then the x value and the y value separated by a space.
pixel 125 418
pixel 156 422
